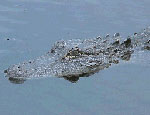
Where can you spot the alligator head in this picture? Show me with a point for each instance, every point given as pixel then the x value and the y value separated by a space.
pixel 72 59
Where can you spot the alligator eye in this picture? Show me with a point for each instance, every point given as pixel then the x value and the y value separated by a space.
pixel 18 66
pixel 107 35
pixel 98 37
pixel 29 61
pixel 5 71
pixel 52 51
pixel 116 35
pixel 63 58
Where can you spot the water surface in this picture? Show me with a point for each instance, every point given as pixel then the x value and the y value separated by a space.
pixel 28 28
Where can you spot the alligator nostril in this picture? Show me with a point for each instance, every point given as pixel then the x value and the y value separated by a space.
pixel 5 71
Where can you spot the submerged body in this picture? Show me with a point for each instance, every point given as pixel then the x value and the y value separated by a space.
pixel 76 58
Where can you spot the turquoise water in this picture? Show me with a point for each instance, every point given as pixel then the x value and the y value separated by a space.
pixel 29 28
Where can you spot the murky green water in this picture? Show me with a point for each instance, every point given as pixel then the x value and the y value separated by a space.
pixel 29 28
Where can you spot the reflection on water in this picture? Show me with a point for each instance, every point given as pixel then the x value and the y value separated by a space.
pixel 16 80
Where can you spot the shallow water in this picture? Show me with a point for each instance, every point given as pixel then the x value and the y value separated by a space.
pixel 29 28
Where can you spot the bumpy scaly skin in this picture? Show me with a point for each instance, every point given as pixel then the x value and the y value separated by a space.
pixel 72 59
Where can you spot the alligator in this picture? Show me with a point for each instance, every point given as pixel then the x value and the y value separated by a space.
pixel 75 58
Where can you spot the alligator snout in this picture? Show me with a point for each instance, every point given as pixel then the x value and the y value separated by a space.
pixel 14 77
pixel 12 73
